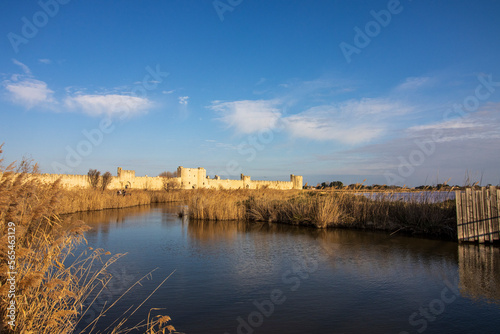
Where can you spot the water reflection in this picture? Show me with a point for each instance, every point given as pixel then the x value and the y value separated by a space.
pixel 480 271
pixel 372 254
pixel 368 253
pixel 223 267
pixel 479 265
pixel 101 222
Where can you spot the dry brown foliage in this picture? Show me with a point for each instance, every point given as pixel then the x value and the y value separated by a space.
pixel 416 215
pixel 52 288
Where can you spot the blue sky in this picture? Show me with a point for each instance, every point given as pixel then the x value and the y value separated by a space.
pixel 394 92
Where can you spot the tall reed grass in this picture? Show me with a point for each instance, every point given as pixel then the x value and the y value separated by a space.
pixel 416 215
pixel 51 292
pixel 87 199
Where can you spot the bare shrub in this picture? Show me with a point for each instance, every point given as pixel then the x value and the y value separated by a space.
pixel 169 181
pixel 106 180
pixel 171 184
pixel 168 174
pixel 93 178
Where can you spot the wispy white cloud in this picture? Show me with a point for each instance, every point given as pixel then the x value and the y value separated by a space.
pixel 27 91
pixel 483 124
pixel 261 81
pixel 413 83
pixel 376 107
pixel 248 116
pixel 319 90
pixel 349 122
pixel 183 100
pixel 326 124
pixel 109 105
pixel 25 68
pixel 149 82
pixel 45 61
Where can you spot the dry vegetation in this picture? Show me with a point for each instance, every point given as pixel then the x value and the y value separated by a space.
pixel 52 293
pixel 93 199
pixel 52 288
pixel 418 215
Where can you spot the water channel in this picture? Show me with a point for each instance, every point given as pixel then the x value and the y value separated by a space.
pixel 235 277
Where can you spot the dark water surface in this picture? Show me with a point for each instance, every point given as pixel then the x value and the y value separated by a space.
pixel 233 277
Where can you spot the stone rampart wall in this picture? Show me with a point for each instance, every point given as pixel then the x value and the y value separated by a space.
pixel 188 178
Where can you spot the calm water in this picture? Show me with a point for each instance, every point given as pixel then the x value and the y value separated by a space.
pixel 258 278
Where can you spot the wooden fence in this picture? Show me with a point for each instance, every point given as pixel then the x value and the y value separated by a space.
pixel 479 271
pixel 478 214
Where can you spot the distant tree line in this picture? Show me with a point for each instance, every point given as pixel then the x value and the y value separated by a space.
pixel 359 186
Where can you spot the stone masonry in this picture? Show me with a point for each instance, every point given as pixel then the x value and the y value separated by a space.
pixel 187 178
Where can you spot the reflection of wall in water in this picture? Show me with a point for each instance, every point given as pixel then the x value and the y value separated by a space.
pixel 101 221
pixel 479 271
pixel 210 231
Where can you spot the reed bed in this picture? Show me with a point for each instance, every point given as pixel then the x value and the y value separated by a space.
pixel 215 205
pixel 39 275
pixel 416 215
pixel 87 199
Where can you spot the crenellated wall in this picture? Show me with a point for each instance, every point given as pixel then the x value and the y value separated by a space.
pixel 187 178
pixel 193 178
pixel 67 181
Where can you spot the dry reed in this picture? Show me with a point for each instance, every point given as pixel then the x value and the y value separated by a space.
pixel 87 199
pixel 52 288
pixel 416 215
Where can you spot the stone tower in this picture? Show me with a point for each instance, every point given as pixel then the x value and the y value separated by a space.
pixel 297 182
pixel 192 178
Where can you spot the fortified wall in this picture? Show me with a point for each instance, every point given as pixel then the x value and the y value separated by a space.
pixel 187 178
pixel 193 178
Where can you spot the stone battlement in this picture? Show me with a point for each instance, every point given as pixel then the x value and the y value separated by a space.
pixel 195 178
pixel 187 178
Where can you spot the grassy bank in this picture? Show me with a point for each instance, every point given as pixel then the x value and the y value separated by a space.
pixel 77 200
pixel 417 216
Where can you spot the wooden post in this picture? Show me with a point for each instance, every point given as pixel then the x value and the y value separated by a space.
pixel 468 212
pixel 475 214
pixel 460 221
pixel 496 214
pixel 480 215
pixel 487 215
pixel 465 217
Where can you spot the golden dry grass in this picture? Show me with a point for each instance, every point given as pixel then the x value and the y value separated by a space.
pixel 418 215
pixel 52 293
pixel 76 200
